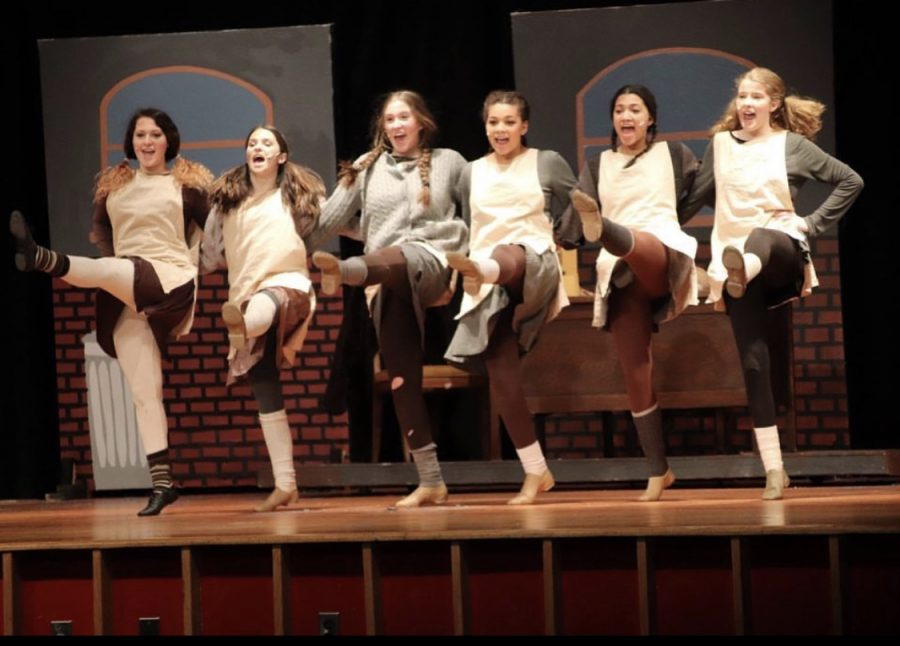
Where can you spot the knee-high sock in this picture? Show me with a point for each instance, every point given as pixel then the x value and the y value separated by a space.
pixel 141 364
pixel 649 429
pixel 617 239
pixel 160 470
pixel 427 465
pixel 114 275
pixel 510 259
pixel 772 255
pixel 769 447
pixel 532 459
pixel 277 434
pixel 260 314
pixel 353 271
pixel 752 265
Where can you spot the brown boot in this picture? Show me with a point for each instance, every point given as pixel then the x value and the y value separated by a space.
pixel 234 321
pixel 736 283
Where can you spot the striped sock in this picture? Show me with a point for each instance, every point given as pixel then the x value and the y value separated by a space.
pixel 160 470
pixel 51 262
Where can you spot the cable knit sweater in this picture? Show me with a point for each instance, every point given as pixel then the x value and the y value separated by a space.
pixel 387 194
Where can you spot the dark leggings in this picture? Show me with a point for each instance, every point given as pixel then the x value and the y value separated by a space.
pixel 501 357
pixel 264 378
pixel 749 317
pixel 631 316
pixel 401 342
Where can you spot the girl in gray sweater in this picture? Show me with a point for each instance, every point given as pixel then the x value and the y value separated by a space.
pixel 405 190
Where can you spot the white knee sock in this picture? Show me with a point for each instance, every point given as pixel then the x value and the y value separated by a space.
pixel 490 269
pixel 114 275
pixel 140 362
pixel 277 434
pixel 259 315
pixel 532 459
pixel 752 265
pixel 769 447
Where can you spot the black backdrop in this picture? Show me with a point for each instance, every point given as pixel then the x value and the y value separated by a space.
pixel 454 53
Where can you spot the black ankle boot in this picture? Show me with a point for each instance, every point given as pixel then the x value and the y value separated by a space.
pixel 26 248
pixel 159 498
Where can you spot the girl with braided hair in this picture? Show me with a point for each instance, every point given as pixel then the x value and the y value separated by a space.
pixel 760 156
pixel 148 223
pixel 261 211
pixel 512 276
pixel 645 269
pixel 409 221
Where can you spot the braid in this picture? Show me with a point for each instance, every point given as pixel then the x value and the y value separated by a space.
pixel 651 137
pixel 424 166
pixel 347 171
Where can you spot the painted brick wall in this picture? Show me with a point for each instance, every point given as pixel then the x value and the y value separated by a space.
pixel 819 383
pixel 214 434
pixel 217 442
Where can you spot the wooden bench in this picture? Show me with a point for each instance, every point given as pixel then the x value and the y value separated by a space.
pixel 574 368
pixel 437 378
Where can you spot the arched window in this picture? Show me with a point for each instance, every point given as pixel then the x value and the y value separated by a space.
pixel 213 111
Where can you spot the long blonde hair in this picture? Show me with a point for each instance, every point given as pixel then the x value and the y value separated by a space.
pixel 802 115
pixel 380 143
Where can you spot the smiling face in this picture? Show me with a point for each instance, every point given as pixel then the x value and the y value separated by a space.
pixel 631 120
pixel 505 128
pixel 150 145
pixel 402 128
pixel 754 108
pixel 263 154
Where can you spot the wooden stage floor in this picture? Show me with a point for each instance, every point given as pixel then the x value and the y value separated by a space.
pixel 824 560
pixel 217 519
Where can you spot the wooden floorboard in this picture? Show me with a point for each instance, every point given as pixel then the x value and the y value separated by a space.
pixel 228 519
pixel 818 465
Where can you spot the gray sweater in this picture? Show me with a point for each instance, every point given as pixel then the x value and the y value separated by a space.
pixel 387 195
pixel 804 160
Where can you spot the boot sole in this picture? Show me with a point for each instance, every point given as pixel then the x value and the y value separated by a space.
pixel 736 283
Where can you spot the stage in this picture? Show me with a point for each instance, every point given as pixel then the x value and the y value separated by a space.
pixel 825 560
